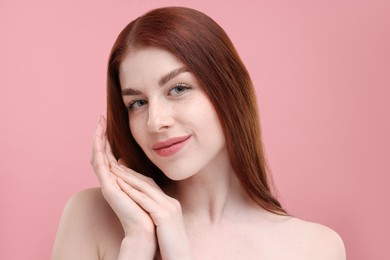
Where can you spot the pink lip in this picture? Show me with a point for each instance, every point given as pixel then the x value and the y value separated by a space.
pixel 170 146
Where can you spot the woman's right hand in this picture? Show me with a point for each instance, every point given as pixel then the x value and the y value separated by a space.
pixel 135 221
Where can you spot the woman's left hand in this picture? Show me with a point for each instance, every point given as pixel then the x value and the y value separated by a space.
pixel 164 210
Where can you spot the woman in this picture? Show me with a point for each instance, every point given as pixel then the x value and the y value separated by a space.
pixel 191 181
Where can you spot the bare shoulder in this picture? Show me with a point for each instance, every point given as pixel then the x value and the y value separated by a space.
pixel 316 240
pixel 87 226
pixel 89 202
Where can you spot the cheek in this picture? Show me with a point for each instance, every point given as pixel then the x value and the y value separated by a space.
pixel 207 116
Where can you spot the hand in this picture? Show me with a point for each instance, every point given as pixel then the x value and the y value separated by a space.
pixel 134 219
pixel 164 211
pixel 140 204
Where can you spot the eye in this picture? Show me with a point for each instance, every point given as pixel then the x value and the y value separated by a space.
pixel 136 104
pixel 179 89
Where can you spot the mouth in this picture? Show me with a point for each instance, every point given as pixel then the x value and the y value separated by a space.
pixel 170 146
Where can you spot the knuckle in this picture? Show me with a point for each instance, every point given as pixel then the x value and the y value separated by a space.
pixel 176 206
pixel 173 207
pixel 164 214
pixel 148 184
pixel 150 181
pixel 176 203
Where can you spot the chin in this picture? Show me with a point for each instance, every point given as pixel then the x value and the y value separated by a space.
pixel 178 174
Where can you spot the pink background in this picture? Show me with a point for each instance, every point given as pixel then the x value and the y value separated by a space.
pixel 321 71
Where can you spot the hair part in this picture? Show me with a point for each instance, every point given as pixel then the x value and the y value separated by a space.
pixel 203 46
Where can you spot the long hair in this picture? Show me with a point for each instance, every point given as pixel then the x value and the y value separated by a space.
pixel 203 46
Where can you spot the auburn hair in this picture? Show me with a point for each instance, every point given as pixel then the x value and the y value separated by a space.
pixel 204 47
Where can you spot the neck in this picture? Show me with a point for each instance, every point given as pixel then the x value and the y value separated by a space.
pixel 211 196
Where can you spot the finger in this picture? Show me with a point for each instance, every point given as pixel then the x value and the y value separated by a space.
pixel 137 174
pixel 165 209
pixel 99 133
pixel 99 160
pixel 140 198
pixel 149 188
pixel 103 122
pixel 129 171
pixel 109 153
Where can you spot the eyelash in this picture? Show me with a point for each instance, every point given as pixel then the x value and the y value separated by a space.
pixel 185 87
pixel 180 85
pixel 132 103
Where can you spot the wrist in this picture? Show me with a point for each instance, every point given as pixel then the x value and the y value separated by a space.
pixel 138 247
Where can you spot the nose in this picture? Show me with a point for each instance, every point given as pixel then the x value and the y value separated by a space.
pixel 160 116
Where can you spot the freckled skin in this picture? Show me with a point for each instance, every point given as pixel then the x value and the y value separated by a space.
pixel 167 113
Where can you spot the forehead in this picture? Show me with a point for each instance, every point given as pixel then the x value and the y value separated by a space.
pixel 146 66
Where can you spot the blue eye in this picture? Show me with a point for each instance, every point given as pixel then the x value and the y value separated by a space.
pixel 137 104
pixel 179 89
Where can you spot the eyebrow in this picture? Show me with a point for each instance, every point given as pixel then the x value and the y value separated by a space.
pixel 171 75
pixel 166 78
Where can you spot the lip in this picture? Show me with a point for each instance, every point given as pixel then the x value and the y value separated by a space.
pixel 171 146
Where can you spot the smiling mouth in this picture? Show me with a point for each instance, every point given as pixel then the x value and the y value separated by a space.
pixel 170 146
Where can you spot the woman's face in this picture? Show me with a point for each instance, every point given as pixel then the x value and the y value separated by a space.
pixel 170 116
